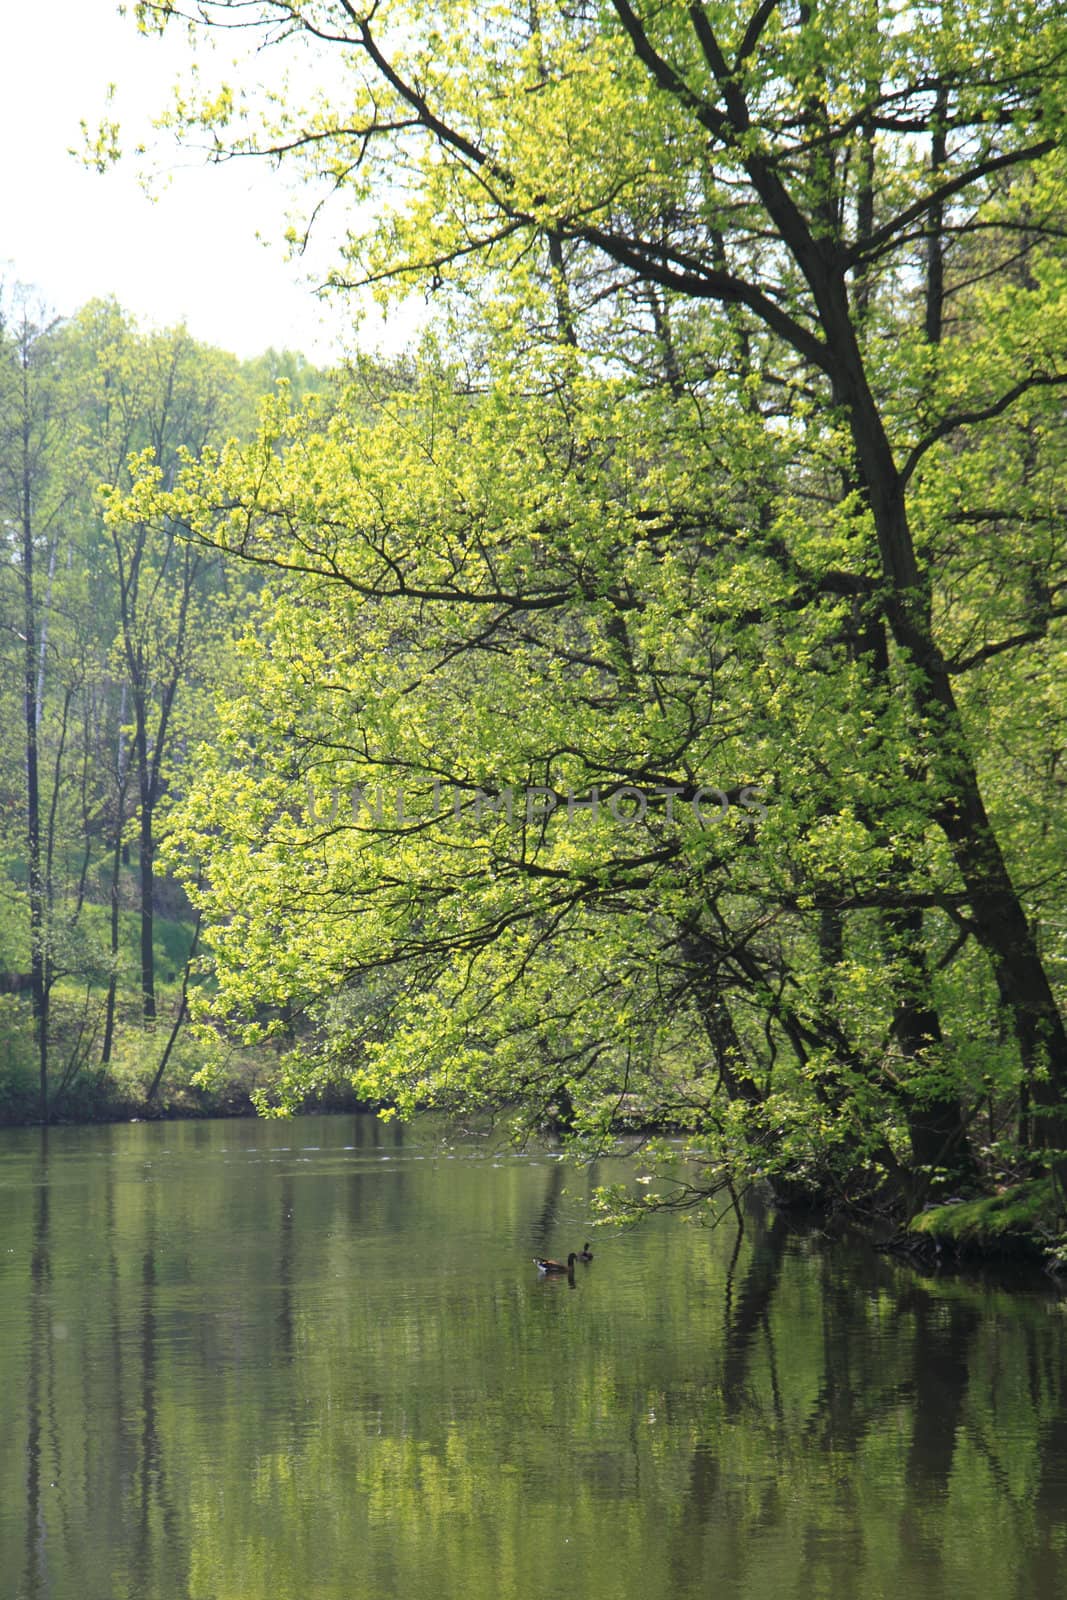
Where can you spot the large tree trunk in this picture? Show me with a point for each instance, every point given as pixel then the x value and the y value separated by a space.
pixel 719 1026
pixel 936 1123
pixel 999 919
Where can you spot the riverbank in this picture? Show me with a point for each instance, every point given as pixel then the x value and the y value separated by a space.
pixel 100 1096
pixel 1021 1219
pixel 1017 1223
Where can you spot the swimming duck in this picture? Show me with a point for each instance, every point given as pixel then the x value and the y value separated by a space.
pixel 546 1264
pixel 585 1254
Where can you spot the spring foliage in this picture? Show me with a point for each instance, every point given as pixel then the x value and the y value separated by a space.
pixel 735 464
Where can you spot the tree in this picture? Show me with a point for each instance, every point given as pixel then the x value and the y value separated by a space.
pixel 793 218
pixel 107 637
pixel 150 397
pixel 33 493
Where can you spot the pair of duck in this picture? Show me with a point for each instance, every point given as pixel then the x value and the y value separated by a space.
pixel 547 1265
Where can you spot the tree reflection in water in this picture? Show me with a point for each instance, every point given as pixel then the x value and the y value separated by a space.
pixel 254 1359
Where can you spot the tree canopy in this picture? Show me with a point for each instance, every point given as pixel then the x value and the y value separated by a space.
pixel 719 531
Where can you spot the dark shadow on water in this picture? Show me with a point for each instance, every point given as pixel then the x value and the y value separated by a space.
pixel 547 1220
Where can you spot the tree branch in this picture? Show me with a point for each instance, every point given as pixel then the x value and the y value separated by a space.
pixel 967 419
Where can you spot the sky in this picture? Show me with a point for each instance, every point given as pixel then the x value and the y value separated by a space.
pixel 188 254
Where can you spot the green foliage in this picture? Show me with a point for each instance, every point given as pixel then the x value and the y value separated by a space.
pixel 118 638
pixel 706 479
pixel 18 1068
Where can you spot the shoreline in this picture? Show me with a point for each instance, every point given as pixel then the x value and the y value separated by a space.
pixel 1013 1228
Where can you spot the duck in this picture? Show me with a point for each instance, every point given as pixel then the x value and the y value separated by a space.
pixel 546 1264
pixel 585 1254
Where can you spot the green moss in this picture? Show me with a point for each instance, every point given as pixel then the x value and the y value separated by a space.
pixel 1024 1214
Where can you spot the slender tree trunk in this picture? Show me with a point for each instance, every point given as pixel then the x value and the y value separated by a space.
pixel 179 1019
pixel 564 311
pixel 150 752
pixel 147 867
pixel 935 251
pixel 864 216
pixel 38 976
pixel 113 979
pixel 936 1125
pixel 122 777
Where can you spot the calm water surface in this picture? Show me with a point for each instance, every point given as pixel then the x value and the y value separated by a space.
pixel 313 1361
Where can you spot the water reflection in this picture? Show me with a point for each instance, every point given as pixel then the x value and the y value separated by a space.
pixel 548 1215
pixel 235 1362
pixel 286 1236
pixel 40 1386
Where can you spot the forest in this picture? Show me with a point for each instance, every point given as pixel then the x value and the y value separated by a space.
pixel 115 643
pixel 641 709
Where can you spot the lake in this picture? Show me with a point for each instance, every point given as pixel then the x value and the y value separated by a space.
pixel 313 1360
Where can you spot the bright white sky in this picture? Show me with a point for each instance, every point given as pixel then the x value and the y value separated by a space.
pixel 191 253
